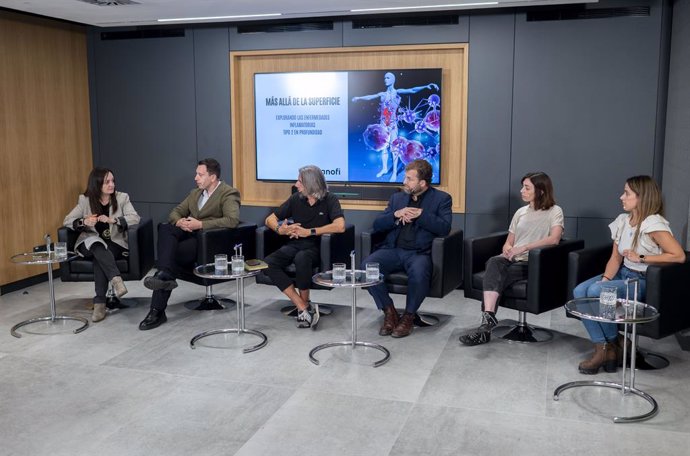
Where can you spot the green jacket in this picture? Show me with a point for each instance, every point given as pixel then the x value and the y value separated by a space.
pixel 222 210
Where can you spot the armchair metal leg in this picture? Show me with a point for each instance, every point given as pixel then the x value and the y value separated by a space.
pixel 210 302
pixel 522 332
pixel 422 320
pixel 647 360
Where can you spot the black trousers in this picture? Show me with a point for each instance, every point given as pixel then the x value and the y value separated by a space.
pixel 500 273
pixel 304 258
pixel 177 250
pixel 104 266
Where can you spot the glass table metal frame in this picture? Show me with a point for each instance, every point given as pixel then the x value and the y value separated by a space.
pixel 207 271
pixel 630 314
pixel 47 258
pixel 353 281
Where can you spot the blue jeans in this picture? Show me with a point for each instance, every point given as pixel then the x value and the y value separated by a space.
pixel 607 332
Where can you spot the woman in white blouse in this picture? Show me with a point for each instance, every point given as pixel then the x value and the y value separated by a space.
pixel 641 236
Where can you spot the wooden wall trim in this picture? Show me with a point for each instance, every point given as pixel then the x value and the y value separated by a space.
pixel 452 58
pixel 45 139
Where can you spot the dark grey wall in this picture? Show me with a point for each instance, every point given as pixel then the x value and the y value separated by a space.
pixel 577 99
pixel 676 183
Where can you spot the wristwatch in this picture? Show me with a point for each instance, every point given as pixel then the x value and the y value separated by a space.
pixel 313 231
pixel 641 258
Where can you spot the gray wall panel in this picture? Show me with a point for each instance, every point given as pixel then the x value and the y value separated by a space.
pixel 286 40
pixel 676 183
pixel 419 34
pixel 595 231
pixel 212 89
pixel 585 94
pixel 489 113
pixel 146 115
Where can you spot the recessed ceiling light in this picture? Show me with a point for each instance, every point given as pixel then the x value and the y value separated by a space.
pixel 214 18
pixel 453 5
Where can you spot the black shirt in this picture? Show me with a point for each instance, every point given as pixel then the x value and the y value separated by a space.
pixel 323 212
pixel 406 237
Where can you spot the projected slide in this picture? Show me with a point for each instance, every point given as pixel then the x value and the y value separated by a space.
pixel 357 126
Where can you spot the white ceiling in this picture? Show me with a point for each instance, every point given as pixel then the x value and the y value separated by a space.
pixel 148 12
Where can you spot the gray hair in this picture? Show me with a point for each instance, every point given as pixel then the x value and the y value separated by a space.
pixel 313 181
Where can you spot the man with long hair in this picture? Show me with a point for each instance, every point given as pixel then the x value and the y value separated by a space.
pixel 309 213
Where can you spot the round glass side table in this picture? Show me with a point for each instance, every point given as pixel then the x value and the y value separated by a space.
pixel 208 271
pixel 353 279
pixel 630 314
pixel 46 258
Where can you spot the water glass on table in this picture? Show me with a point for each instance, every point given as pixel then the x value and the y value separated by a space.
pixel 339 272
pixel 372 271
pixel 221 263
pixel 607 302
pixel 237 264
pixel 61 250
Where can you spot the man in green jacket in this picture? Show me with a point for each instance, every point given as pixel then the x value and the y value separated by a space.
pixel 213 204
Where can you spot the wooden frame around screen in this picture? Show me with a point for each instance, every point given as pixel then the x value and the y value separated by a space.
pixel 451 58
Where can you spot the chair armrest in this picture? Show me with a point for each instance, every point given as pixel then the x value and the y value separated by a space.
pixel 141 253
pixel 446 254
pixel 370 241
pixel 547 278
pixel 336 247
pixel 267 242
pixel 223 240
pixel 586 263
pixel 477 252
pixel 667 293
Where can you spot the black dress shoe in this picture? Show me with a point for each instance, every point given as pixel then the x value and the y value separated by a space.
pixel 154 319
pixel 161 280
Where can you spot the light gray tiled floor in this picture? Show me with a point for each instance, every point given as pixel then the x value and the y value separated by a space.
pixel 115 390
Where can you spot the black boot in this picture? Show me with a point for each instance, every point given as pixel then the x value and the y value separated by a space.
pixel 154 319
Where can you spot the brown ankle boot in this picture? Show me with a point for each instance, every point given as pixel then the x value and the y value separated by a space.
pixel 604 356
pixel 404 328
pixel 390 321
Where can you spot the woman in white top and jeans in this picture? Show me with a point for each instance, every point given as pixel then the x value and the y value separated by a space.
pixel 641 236
pixel 538 224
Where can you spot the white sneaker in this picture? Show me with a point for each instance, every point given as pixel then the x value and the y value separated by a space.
pixel 304 318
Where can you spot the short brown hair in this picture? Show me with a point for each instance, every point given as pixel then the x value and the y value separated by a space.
pixel 212 166
pixel 423 169
pixel 543 190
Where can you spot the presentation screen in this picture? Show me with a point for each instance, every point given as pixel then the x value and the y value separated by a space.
pixel 357 126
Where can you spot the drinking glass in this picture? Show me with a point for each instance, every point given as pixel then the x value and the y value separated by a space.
pixel 237 264
pixel 372 270
pixel 339 272
pixel 607 302
pixel 221 263
pixel 61 250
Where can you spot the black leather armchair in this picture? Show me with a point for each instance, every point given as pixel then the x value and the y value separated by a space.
pixel 212 242
pixel 665 291
pixel 335 248
pixel 446 276
pixel 133 267
pixel 544 290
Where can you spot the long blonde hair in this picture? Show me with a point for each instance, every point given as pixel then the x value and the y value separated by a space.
pixel 649 201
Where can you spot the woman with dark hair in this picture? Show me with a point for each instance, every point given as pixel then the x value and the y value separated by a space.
pixel 641 236
pixel 538 224
pixel 101 217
